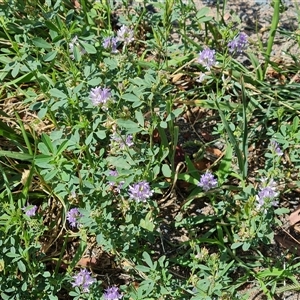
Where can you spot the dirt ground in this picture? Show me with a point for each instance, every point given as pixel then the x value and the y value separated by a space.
pixel 256 18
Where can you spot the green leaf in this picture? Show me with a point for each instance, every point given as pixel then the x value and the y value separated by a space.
pixel 241 160
pixel 148 259
pixel 275 272
pixel 140 118
pixel 16 155
pixel 101 134
pixel 57 93
pixel 24 286
pixel 202 15
pixel 281 211
pixel 236 245
pixel 46 274
pixel 95 81
pixel 22 79
pixel 62 147
pixel 88 48
pixel 256 66
pixel 130 126
pixel 163 124
pixel 79 252
pixel 51 174
pixel 188 178
pixel 51 26
pixel 47 141
pixel 50 56
pixel 119 162
pixel 246 246
pixel 43 161
pixel 143 269
pixel 15 70
pixel 41 43
pixel 147 223
pixel 295 124
pixel 77 53
pixel 131 98
pixel 44 149
pixel 166 170
pixel 225 165
pixel 21 266
pixel 174 114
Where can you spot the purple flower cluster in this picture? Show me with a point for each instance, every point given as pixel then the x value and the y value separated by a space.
pixel 112 184
pixel 100 96
pixel 208 181
pixel 275 148
pixel 74 43
pixel 121 142
pixel 238 44
pixel 140 191
pixel 30 210
pixel 83 280
pixel 110 43
pixel 112 293
pixel 267 193
pixel 72 216
pixel 113 173
pixel 207 58
pixel 125 34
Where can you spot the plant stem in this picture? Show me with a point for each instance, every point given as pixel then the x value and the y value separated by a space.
pixel 274 25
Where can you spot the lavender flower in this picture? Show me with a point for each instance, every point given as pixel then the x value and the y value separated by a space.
pixel 129 141
pixel 113 173
pixel 239 43
pixel 100 96
pixel 83 280
pixel 207 58
pixel 267 193
pixel 110 43
pixel 121 141
pixel 112 184
pixel 275 148
pixel 30 210
pixel 140 191
pixel 208 181
pixel 74 43
pixel 72 216
pixel 125 34
pixel 112 293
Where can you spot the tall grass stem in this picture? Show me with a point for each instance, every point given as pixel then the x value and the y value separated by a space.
pixel 274 25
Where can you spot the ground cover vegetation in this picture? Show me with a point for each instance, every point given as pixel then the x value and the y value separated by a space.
pixel 140 157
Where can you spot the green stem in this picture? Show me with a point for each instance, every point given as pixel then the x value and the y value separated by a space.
pixel 108 10
pixel 274 25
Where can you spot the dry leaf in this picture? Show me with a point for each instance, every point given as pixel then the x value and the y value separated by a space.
pixel 294 217
pixel 25 176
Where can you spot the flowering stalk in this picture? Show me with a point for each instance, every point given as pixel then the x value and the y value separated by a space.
pixel 267 193
pixel 140 191
pixel 84 280
pixel 72 216
pixel 30 210
pixel 112 293
pixel 207 58
pixel 208 181
pixel 238 44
